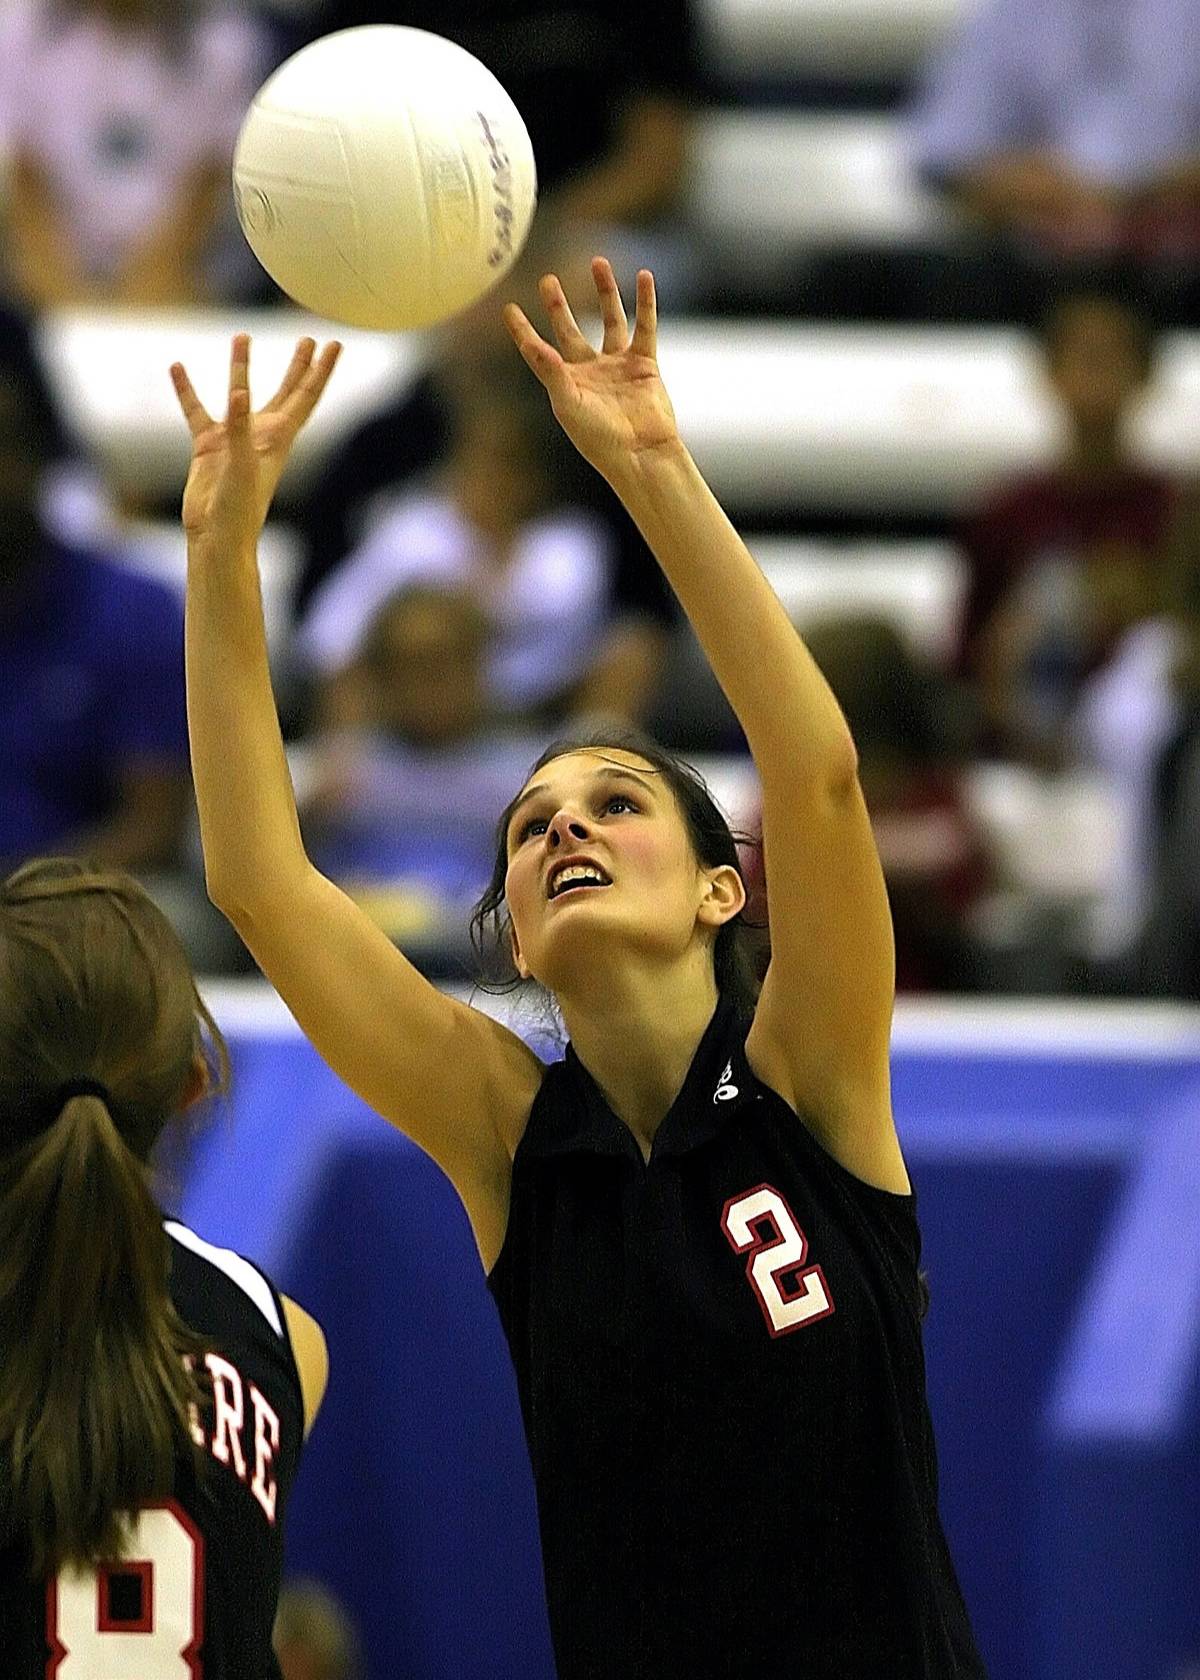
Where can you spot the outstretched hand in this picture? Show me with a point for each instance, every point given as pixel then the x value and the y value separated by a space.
pixel 237 462
pixel 611 402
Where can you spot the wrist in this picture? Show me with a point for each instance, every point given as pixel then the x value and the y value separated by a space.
pixel 645 471
pixel 236 548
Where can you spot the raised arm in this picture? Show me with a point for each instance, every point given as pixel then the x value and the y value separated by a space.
pixel 821 1031
pixel 454 1081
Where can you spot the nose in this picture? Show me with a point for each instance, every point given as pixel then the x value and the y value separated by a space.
pixel 564 826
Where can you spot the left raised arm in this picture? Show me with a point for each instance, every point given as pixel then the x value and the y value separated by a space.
pixel 821 1031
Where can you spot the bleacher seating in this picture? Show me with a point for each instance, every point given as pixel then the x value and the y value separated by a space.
pixel 777 183
pixel 779 40
pixel 866 418
pixel 918 585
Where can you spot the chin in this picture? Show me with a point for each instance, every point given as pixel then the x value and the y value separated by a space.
pixel 576 944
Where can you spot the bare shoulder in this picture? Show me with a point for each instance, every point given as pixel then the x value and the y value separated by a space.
pixel 311 1355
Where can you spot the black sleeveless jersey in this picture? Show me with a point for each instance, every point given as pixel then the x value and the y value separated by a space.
pixel 194 1596
pixel 720 1368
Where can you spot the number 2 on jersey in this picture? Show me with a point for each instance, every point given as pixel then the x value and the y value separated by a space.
pixel 790 1293
pixel 142 1616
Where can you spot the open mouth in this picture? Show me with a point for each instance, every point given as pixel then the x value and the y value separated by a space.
pixel 578 877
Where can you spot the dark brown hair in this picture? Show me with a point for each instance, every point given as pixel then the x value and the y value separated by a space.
pixel 461 606
pixel 713 842
pixel 174 22
pixel 94 1406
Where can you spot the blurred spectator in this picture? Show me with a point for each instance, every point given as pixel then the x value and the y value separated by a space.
pixel 21 367
pixel 402 808
pixel 119 118
pixel 1062 562
pixel 1071 129
pixel 1168 953
pixel 404 443
pixel 76 500
pixel 492 519
pixel 901 712
pixel 93 736
pixel 1139 723
pixel 314 1637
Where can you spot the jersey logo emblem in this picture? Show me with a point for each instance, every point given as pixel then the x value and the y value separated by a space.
pixel 725 1092
pixel 759 1224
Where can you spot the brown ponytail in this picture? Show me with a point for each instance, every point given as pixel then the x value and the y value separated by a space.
pixel 94 985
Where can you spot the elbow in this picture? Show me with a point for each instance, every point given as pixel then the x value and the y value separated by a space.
pixel 222 897
pixel 841 766
pixel 252 898
pixel 231 895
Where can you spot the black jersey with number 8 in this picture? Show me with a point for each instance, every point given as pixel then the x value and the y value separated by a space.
pixel 193 1596
pixel 720 1366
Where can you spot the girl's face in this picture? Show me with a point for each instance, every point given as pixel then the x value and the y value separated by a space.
pixel 612 817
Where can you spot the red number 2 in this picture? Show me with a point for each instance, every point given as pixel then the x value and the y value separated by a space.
pixel 789 1293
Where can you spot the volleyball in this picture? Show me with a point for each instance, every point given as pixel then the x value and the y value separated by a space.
pixel 384 178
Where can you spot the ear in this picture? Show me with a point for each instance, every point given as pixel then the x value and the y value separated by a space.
pixel 725 895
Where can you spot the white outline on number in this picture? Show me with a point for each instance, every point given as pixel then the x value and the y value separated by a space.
pixel 183 1663
pixel 809 1299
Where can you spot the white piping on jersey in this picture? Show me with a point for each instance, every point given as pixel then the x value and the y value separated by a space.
pixel 240 1271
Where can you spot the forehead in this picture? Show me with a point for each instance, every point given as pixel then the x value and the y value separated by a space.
pixel 586 764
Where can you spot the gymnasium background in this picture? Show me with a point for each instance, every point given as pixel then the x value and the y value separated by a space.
pixel 853 350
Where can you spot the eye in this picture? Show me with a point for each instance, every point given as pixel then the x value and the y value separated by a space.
pixel 527 829
pixel 619 799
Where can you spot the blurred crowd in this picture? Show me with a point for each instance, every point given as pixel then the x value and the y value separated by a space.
pixel 466 588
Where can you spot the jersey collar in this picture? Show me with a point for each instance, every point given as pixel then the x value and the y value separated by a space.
pixel 579 1121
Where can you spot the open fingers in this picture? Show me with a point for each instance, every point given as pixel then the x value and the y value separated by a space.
pixel 543 358
pixel 572 343
pixel 194 411
pixel 612 310
pixel 305 393
pixel 645 330
pixel 297 368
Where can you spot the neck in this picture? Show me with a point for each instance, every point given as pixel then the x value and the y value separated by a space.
pixel 637 1032
pixel 486 516
pixel 1095 452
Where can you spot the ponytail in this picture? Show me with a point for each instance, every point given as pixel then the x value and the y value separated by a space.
pixel 94 1402
pixel 103 1038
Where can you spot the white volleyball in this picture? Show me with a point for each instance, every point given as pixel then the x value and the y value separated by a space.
pixel 384 178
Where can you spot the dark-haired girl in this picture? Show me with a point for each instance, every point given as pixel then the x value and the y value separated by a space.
pixel 698 1227
pixel 154 1390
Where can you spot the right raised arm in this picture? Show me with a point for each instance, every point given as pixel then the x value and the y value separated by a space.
pixel 457 1083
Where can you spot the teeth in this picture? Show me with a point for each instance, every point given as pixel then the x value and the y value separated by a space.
pixel 576 872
